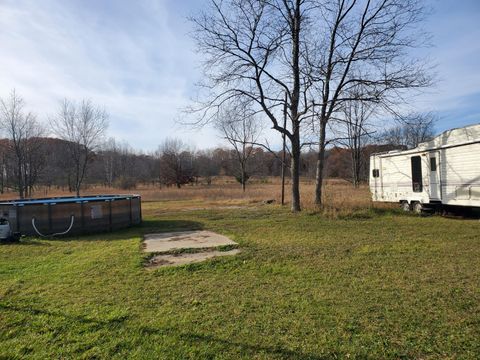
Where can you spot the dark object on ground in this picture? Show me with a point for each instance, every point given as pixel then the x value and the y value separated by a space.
pixel 6 234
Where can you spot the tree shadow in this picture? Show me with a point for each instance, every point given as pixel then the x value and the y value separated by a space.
pixel 170 225
pixel 24 241
pixel 191 338
pixel 461 213
pixel 70 317
pixel 244 348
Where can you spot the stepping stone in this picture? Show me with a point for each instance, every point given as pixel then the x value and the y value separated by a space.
pixel 164 242
pixel 186 258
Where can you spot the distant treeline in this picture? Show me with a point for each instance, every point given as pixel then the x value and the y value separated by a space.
pixel 79 156
pixel 118 165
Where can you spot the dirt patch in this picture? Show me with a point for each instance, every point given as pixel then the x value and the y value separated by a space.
pixel 186 258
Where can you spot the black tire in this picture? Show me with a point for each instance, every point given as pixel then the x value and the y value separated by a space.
pixel 405 206
pixel 417 208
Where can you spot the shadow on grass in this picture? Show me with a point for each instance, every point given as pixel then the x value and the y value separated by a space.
pixel 193 339
pixel 244 348
pixel 366 214
pixel 462 213
pixel 77 318
pixel 24 241
pixel 355 214
pixel 170 225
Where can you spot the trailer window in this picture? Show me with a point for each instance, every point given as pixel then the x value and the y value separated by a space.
pixel 417 184
pixel 375 173
pixel 433 164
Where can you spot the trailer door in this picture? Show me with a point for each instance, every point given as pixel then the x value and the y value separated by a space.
pixel 435 183
pixel 417 178
pixel 374 177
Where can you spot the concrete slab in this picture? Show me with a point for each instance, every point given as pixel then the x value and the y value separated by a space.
pixel 186 258
pixel 163 242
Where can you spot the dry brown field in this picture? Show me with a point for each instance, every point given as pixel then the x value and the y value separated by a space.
pixel 340 195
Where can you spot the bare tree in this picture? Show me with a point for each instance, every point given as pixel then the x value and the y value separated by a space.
pixel 365 44
pixel 176 162
pixel 255 52
pixel 206 165
pixel 35 158
pixel 412 130
pixel 241 129
pixel 315 52
pixel 23 131
pixel 355 130
pixel 118 160
pixel 3 166
pixel 83 127
pixel 109 157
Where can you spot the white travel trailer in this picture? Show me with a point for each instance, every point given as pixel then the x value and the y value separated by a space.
pixel 442 172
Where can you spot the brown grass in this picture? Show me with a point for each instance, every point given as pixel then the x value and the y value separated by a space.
pixel 340 196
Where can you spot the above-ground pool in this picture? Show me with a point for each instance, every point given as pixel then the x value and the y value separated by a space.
pixel 72 215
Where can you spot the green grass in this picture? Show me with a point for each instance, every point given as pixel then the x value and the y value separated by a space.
pixel 371 285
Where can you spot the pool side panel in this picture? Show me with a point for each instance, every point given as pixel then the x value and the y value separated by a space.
pixel 120 214
pixel 91 214
pixel 62 215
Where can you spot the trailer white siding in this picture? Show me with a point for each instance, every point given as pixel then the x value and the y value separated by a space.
pixel 445 170
pixel 460 172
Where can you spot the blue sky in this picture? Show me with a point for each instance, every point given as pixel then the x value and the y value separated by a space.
pixel 136 59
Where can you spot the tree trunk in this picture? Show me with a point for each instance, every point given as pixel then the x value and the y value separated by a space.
pixel 78 183
pixel 295 172
pixel 295 99
pixel 354 166
pixel 356 169
pixel 320 165
pixel 243 176
pixel 356 158
pixel 20 180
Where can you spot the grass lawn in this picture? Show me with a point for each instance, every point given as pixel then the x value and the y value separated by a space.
pixel 373 285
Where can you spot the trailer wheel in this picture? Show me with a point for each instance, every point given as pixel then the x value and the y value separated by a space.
pixel 405 206
pixel 417 207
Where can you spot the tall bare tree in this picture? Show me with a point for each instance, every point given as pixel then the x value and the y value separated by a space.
pixel 23 132
pixel 367 45
pixel 315 52
pixel 255 51
pixel 109 157
pixel 83 126
pixel 242 130
pixel 355 130
pixel 35 158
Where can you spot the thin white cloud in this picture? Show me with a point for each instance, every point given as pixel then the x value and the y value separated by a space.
pixel 136 66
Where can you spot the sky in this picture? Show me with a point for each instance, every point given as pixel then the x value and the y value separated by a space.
pixel 137 59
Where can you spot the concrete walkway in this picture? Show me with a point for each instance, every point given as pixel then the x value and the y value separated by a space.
pixel 205 241
pixel 187 258
pixel 163 242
